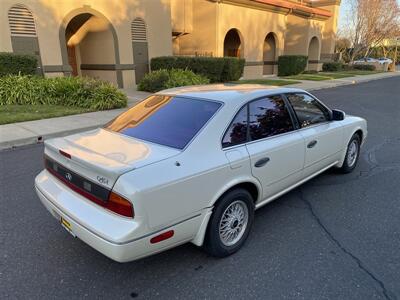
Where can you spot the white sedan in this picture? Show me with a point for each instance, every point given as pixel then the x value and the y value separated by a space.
pixel 384 60
pixel 365 60
pixel 191 165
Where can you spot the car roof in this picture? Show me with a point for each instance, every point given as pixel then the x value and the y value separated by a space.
pixel 228 93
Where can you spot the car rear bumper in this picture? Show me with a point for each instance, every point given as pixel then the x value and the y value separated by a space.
pixel 119 238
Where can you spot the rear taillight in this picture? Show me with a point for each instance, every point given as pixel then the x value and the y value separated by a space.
pixel 90 190
pixel 119 205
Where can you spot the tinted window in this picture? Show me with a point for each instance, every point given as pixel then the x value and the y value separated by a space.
pixel 165 120
pixel 308 110
pixel 268 117
pixel 237 132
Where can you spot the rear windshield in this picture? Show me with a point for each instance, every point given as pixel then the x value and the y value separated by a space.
pixel 165 120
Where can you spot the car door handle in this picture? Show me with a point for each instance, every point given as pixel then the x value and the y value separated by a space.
pixel 261 162
pixel 312 144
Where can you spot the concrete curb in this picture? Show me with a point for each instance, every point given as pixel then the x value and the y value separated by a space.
pixel 26 133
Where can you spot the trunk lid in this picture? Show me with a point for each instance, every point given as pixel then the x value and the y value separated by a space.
pixel 102 156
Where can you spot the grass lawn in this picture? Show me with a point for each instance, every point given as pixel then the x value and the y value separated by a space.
pixel 360 72
pixel 19 113
pixel 335 75
pixel 276 82
pixel 330 75
pixel 313 77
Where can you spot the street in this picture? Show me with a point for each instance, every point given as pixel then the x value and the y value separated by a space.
pixel 335 237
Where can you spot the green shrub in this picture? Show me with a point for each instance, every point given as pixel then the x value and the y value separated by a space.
pixel 364 67
pixel 233 69
pixel 164 79
pixel 347 67
pixel 217 69
pixel 68 91
pixel 291 64
pixel 14 64
pixel 332 66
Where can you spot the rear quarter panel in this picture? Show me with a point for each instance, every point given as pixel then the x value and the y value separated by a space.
pixel 166 193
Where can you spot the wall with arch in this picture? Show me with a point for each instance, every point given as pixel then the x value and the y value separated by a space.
pixel 254 25
pixel 52 15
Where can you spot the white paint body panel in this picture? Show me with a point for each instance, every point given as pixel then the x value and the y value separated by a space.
pixel 180 197
pixel 286 157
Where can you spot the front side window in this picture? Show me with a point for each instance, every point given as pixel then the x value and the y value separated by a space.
pixel 268 117
pixel 308 110
pixel 237 131
pixel 165 120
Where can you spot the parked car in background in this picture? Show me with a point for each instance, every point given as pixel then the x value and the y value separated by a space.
pixel 192 164
pixel 365 60
pixel 383 60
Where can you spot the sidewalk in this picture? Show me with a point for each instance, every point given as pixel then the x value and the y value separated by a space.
pixel 31 132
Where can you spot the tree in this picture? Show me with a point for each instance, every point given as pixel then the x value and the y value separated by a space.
pixel 342 45
pixel 369 23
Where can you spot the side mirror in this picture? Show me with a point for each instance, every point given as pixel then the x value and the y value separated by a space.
pixel 338 115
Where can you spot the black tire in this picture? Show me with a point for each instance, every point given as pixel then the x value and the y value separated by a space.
pixel 348 166
pixel 214 244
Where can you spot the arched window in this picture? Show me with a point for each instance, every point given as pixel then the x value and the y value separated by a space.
pixel 21 21
pixel 269 54
pixel 313 50
pixel 313 54
pixel 233 45
pixel 138 30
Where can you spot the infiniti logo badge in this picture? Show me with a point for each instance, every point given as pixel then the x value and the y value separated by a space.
pixel 68 176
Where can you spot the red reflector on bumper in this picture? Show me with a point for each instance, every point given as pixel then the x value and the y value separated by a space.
pixel 63 153
pixel 163 236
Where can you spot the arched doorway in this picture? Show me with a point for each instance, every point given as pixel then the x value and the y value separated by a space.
pixel 89 45
pixel 313 54
pixel 269 54
pixel 233 45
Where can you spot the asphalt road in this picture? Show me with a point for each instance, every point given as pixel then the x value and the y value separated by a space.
pixel 336 237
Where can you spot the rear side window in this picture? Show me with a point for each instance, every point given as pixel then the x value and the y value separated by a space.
pixel 268 117
pixel 165 120
pixel 308 110
pixel 237 131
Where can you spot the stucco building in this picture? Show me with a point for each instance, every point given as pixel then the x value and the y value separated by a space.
pixel 114 40
pixel 257 30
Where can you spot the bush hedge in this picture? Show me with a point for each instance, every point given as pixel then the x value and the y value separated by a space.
pixel 68 91
pixel 217 69
pixel 233 69
pixel 364 67
pixel 332 66
pixel 14 64
pixel 164 79
pixel 291 64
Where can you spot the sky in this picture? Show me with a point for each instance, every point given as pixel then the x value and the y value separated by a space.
pixel 344 7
